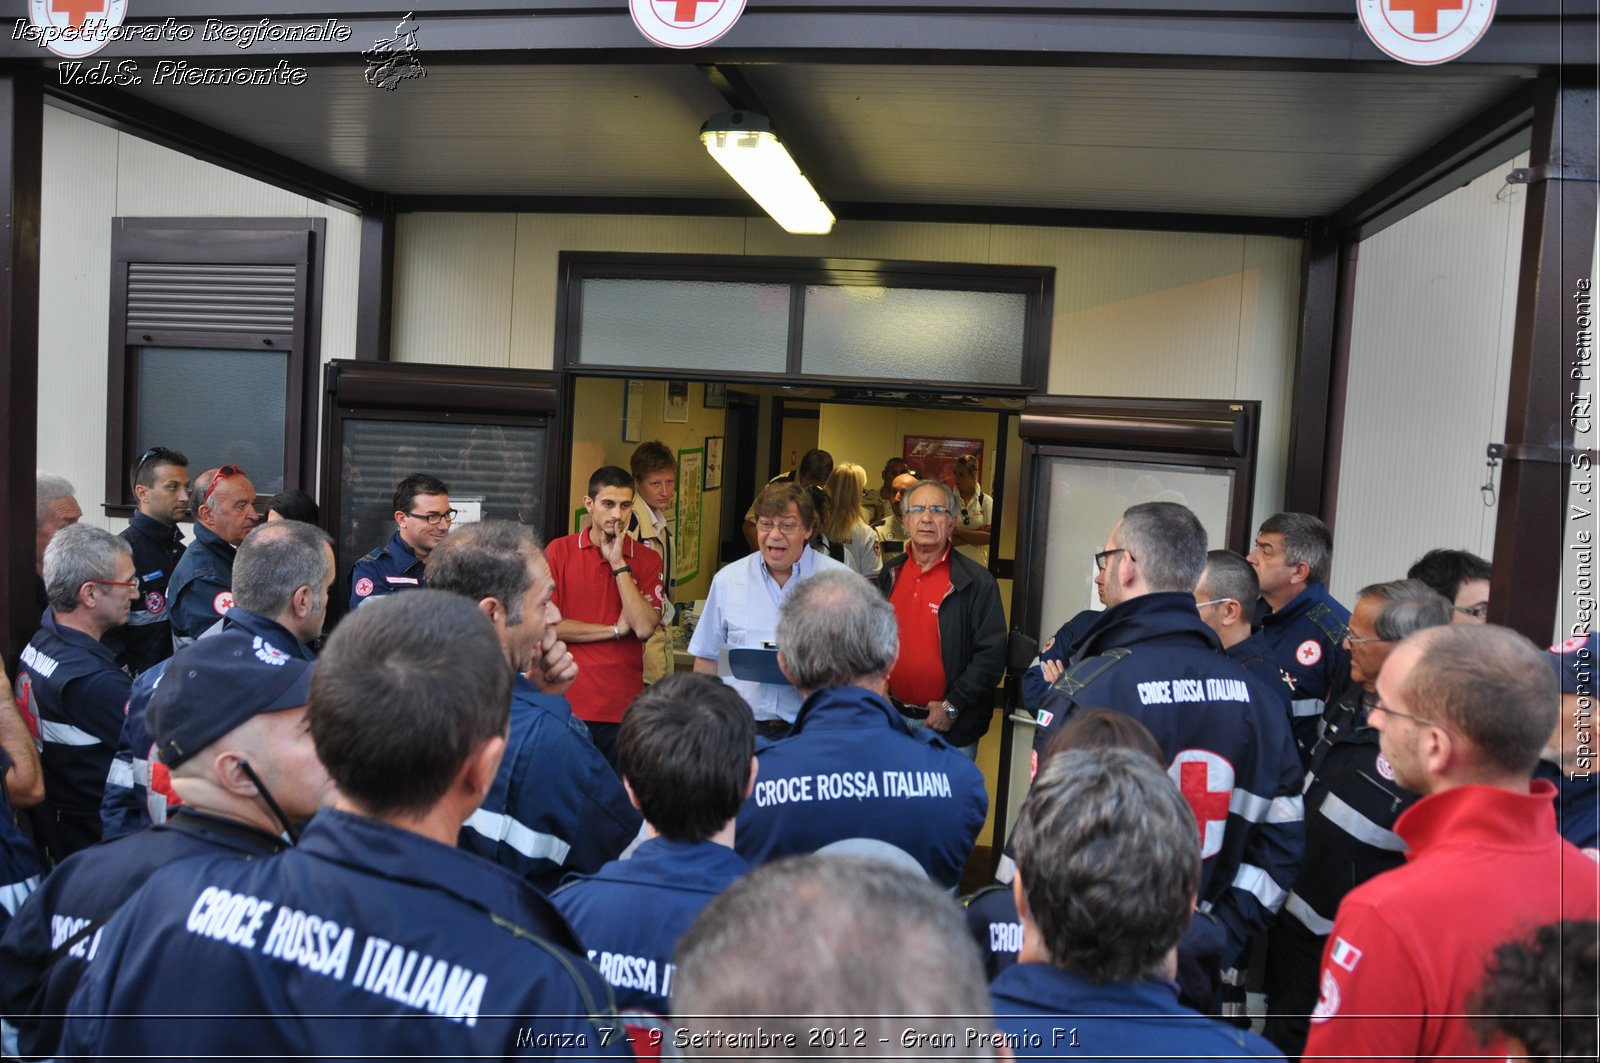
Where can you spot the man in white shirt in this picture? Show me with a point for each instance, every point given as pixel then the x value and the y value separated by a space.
pixel 742 606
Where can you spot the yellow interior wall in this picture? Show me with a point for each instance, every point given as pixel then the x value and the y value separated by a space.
pixel 597 440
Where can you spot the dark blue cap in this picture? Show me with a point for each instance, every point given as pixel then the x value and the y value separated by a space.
pixel 1574 663
pixel 215 684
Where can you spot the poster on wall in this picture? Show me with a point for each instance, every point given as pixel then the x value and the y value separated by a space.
pixel 714 463
pixel 934 457
pixel 675 408
pixel 686 543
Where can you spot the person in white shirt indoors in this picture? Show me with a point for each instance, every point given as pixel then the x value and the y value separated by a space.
pixel 850 538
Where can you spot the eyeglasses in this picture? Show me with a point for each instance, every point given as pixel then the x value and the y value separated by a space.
pixel 1357 640
pixel 221 474
pixel 1378 706
pixel 1214 601
pixel 1104 555
pixel 1480 612
pixel 788 527
pixel 125 584
pixel 433 519
pixel 941 511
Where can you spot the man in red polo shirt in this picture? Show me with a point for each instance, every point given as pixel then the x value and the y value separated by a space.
pixel 609 590
pixel 952 626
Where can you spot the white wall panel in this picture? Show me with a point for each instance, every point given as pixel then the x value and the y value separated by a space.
pixel 542 237
pixel 92 174
pixel 1430 356
pixel 452 288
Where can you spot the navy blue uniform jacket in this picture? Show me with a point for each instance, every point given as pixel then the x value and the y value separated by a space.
pixel 1306 639
pixel 85 890
pixel 1058 649
pixel 556 806
pixel 125 805
pixel 1225 738
pixel 19 864
pixel 391 567
pixel 293 957
pixel 1046 1011
pixel 146 639
pixel 201 590
pixel 849 769
pixel 70 682
pixel 631 913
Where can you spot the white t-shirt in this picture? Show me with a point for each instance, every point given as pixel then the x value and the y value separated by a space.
pixel 972 516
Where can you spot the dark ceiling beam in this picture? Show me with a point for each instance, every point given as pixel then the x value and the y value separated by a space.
pixel 1059 217
pixel 143 119
pixel 1127 32
pixel 1484 141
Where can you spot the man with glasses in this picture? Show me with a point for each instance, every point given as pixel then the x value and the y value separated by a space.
pixel 1225 597
pixel 201 591
pixel 1224 735
pixel 160 482
pixel 69 685
pixel 952 625
pixel 1352 802
pixel 742 605
pixel 1297 616
pixel 610 594
pixel 1462 713
pixel 422 517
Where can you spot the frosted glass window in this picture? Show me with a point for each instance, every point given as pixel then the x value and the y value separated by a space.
pixel 666 324
pixel 500 467
pixel 1086 498
pixel 216 407
pixel 914 333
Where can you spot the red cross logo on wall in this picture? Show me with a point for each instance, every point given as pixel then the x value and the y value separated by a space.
pixel 78 11
pixel 689 10
pixel 1424 13
pixel 1206 781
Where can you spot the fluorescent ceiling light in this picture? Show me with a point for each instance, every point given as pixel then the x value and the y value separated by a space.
pixel 744 144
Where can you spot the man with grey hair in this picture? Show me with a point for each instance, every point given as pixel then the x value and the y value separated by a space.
pixel 1225 598
pixel 1223 733
pixel 1462 713
pixel 851 768
pixel 54 508
pixel 70 685
pixel 1352 802
pixel 833 957
pixel 1298 618
pixel 201 590
pixel 282 580
pixel 952 626
pixel 1107 874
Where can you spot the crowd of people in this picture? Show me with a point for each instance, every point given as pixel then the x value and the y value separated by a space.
pixel 486 803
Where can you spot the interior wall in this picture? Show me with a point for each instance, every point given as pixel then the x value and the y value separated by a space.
pixel 1439 288
pixel 92 174
pixel 1161 315
pixel 597 441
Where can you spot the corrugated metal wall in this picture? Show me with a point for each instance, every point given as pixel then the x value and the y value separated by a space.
pixel 93 174
pixel 1430 359
pixel 1136 313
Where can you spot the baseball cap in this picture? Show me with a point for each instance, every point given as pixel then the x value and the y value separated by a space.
pixel 1574 663
pixel 215 684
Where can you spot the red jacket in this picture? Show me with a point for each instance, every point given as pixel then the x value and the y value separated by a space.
pixel 1409 948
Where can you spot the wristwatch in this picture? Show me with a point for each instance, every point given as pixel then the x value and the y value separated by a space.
pixel 951 711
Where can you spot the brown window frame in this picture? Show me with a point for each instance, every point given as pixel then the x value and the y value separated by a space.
pixel 297 242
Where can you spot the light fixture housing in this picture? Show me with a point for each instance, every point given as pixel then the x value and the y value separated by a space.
pixel 744 144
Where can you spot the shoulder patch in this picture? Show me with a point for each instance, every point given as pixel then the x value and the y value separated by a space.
pixel 1385 768
pixel 363 587
pixel 1308 652
pixel 222 603
pixel 1345 954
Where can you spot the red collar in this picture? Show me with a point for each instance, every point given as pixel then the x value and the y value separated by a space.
pixel 586 542
pixel 1484 816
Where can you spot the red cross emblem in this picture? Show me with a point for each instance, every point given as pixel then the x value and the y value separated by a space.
pixel 1206 781
pixel 62 25
pixel 685 23
pixel 78 11
pixel 1425 31
pixel 1309 652
pixel 222 603
pixel 1425 13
